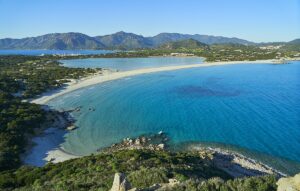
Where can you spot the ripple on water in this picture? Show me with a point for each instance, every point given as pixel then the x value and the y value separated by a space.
pixel 255 107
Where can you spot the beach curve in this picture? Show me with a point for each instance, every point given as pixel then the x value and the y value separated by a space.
pixel 59 154
pixel 100 78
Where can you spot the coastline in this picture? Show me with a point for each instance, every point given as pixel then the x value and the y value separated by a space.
pixel 109 76
pixel 59 154
pixel 236 164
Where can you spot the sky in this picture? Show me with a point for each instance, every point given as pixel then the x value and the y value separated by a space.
pixel 254 20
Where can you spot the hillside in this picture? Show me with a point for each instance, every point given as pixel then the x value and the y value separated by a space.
pixel 296 41
pixel 143 168
pixel 293 45
pixel 184 44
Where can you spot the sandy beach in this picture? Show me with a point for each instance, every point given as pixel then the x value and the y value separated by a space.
pixel 58 154
pixel 99 78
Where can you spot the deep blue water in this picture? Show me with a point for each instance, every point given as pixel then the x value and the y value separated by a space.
pixel 56 52
pixel 254 107
pixel 124 64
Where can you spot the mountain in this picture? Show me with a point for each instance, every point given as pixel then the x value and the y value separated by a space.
pixel 207 39
pixel 123 40
pixel 119 40
pixel 296 41
pixel 293 45
pixel 60 41
pixel 188 44
pixel 163 38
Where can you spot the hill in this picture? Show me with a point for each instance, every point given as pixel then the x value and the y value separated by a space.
pixel 296 41
pixel 143 168
pixel 184 44
pixel 293 45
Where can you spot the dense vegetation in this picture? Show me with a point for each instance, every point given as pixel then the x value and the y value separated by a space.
pixel 16 120
pixel 30 76
pixel 142 167
pixel 236 52
pixel 25 77
pixel 265 183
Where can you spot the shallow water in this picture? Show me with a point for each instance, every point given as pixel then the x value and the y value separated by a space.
pixel 123 64
pixel 255 108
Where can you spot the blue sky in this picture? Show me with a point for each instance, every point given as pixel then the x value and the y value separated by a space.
pixel 255 20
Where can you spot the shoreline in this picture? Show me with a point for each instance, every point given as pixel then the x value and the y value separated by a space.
pixel 237 164
pixel 47 140
pixel 59 154
pixel 109 76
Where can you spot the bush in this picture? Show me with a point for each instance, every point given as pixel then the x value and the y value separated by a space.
pixel 147 177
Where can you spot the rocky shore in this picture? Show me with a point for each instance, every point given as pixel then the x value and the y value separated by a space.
pixel 235 164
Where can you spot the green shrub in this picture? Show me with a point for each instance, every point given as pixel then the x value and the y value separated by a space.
pixel 147 177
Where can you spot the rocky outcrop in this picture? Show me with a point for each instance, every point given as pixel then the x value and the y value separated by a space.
pixel 235 164
pixel 120 183
pixel 289 184
pixel 155 142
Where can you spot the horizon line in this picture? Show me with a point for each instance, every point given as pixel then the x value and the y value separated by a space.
pixel 33 36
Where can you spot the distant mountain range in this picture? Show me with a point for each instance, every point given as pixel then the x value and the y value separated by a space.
pixel 119 40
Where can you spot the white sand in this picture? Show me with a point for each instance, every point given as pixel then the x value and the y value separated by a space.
pixel 59 155
pixel 117 75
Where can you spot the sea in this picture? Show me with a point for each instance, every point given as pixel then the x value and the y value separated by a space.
pixel 250 108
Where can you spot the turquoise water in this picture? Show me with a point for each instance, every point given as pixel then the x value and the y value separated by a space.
pixel 255 107
pixel 124 64
pixel 57 52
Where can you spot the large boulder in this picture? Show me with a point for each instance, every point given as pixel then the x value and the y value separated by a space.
pixel 289 184
pixel 120 183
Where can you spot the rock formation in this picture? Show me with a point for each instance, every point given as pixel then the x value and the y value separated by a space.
pixel 289 184
pixel 120 183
